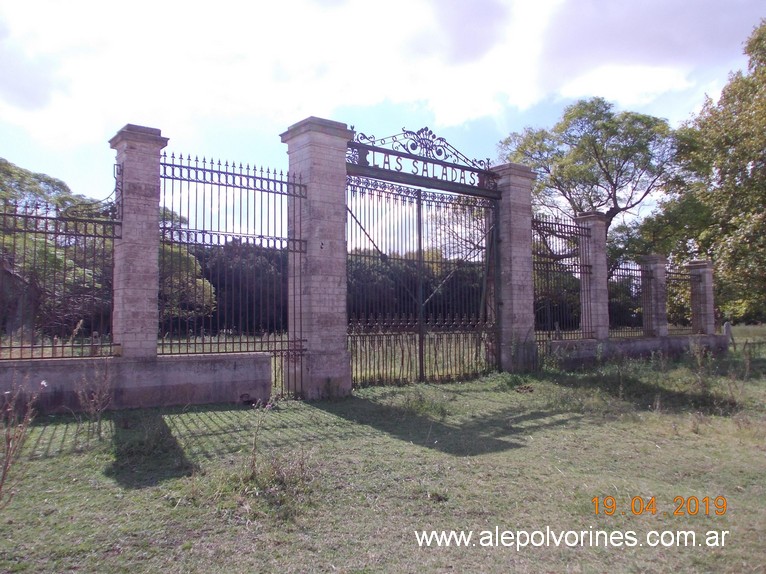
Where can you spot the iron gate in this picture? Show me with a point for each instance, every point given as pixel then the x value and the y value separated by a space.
pixel 422 264
pixel 230 276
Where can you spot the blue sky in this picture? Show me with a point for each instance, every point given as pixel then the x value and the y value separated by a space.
pixel 224 79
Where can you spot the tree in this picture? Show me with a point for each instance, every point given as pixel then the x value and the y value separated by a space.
pixel 33 250
pixel 595 159
pixel 23 186
pixel 56 262
pixel 682 227
pixel 185 296
pixel 722 154
pixel 372 286
pixel 250 286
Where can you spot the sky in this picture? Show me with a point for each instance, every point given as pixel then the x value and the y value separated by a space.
pixel 223 79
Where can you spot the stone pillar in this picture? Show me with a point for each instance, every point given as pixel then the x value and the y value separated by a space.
pixel 317 152
pixel 594 292
pixel 518 350
pixel 135 315
pixel 703 308
pixel 654 295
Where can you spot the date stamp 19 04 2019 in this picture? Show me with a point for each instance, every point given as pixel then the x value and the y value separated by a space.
pixel 682 506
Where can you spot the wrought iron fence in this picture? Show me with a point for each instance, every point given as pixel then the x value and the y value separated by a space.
pixel 56 279
pixel 625 300
pixel 558 268
pixel 421 283
pixel 679 306
pixel 229 260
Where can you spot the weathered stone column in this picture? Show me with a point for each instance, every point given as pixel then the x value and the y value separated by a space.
pixel 654 295
pixel 317 152
pixel 594 292
pixel 136 254
pixel 518 350
pixel 703 307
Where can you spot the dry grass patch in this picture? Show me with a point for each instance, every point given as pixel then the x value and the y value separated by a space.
pixel 342 486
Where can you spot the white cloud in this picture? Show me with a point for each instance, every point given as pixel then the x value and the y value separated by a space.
pixel 628 86
pixel 72 73
pixel 506 74
pixel 170 63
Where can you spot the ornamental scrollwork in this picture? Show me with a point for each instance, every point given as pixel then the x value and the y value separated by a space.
pixel 423 143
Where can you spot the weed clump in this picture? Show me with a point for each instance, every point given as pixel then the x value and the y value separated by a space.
pixel 17 412
pixel 272 483
pixel 95 395
pixel 417 402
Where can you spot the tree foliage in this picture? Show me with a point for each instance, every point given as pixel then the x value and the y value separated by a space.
pixel 250 283
pixel 384 288
pixel 56 271
pixel 51 283
pixel 717 208
pixel 23 186
pixel 184 293
pixel 595 159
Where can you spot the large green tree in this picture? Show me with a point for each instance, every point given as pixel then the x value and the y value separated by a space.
pixel 250 286
pixel 23 186
pixel 719 205
pixel 595 159
pixel 56 275
pixel 32 251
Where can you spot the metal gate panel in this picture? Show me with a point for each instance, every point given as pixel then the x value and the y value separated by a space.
pixel 421 283
pixel 230 273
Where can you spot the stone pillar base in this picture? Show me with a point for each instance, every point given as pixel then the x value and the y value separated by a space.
pixel 322 375
pixel 521 356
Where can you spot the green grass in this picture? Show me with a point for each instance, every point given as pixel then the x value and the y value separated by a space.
pixel 749 333
pixel 341 486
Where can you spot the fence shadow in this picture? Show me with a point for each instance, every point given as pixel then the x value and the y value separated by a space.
pixel 494 432
pixel 650 395
pixel 146 451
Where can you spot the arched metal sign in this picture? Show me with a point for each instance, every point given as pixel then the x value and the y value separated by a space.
pixel 421 159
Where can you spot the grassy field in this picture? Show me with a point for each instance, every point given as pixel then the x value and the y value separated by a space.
pixel 342 486
pixel 749 334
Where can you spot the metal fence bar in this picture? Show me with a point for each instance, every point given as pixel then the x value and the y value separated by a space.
pixel 56 279
pixel 625 300
pixel 228 232
pixel 679 289
pixel 558 273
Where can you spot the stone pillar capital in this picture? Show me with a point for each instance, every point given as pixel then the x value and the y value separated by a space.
pixel 590 216
pixel 317 126
pixel 132 133
pixel 653 259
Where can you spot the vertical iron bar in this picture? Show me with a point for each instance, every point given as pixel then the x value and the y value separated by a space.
pixel 496 272
pixel 421 270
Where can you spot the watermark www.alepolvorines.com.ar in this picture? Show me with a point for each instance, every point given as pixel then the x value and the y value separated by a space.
pixel 522 539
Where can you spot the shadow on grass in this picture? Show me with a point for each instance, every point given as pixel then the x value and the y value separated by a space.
pixel 487 433
pixel 704 395
pixel 146 452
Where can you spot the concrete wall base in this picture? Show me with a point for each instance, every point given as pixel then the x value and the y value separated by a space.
pixel 164 380
pixel 585 352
